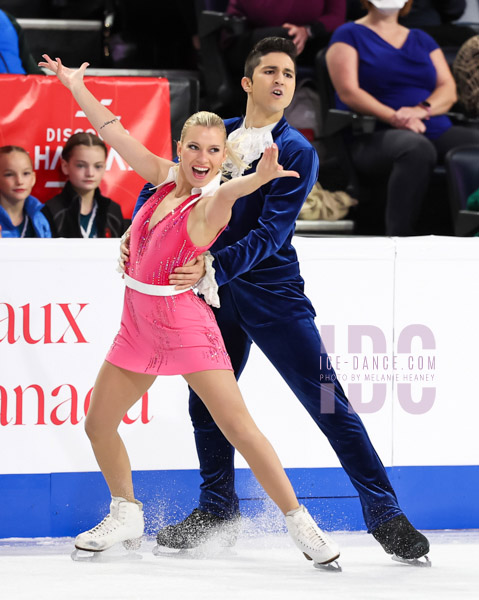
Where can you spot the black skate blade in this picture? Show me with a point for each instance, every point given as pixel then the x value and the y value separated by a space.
pixel 332 567
pixel 413 562
pixel 106 556
pixel 169 552
pixel 204 551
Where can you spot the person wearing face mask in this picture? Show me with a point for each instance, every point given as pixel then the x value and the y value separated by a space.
pixel 400 76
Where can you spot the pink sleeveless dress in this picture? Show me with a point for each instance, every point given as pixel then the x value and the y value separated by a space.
pixel 165 335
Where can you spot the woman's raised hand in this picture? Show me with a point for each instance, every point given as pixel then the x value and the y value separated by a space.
pixel 69 77
pixel 268 167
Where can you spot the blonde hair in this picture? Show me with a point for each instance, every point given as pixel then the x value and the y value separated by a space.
pixel 203 118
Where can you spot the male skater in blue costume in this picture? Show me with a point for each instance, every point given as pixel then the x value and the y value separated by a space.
pixel 262 301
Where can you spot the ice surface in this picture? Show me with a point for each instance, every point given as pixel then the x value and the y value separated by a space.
pixel 258 567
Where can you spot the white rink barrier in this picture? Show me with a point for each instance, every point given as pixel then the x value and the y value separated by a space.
pixel 397 315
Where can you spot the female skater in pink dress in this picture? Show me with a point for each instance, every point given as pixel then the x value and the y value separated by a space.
pixel 165 331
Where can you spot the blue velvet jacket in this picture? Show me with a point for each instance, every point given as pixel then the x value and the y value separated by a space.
pixel 254 256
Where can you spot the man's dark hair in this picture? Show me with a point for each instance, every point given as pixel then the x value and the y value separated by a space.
pixel 265 46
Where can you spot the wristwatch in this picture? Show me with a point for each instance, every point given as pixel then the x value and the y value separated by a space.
pixel 427 106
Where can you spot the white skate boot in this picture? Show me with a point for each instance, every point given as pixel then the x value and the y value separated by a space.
pixel 125 523
pixel 314 543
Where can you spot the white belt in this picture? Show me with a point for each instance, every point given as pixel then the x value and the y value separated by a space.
pixel 151 289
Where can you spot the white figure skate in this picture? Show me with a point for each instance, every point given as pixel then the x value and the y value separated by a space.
pixel 314 543
pixel 124 523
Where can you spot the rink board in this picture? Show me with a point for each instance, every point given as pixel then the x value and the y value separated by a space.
pixel 62 504
pixel 398 317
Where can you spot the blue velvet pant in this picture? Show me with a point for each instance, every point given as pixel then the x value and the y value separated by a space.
pixel 296 351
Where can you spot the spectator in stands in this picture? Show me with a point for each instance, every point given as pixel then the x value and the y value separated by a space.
pixel 308 24
pixel 80 210
pixel 379 67
pixel 20 213
pixel 466 73
pixel 15 56
pixel 435 17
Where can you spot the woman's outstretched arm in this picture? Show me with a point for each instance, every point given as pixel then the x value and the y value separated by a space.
pixel 145 163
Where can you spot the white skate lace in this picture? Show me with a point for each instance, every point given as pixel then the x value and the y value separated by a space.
pixel 108 525
pixel 311 535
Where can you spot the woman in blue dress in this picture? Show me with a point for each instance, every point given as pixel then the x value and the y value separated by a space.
pixel 400 76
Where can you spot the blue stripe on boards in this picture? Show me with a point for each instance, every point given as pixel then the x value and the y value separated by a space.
pixel 63 504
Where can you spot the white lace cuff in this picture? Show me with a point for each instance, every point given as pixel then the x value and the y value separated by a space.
pixel 207 285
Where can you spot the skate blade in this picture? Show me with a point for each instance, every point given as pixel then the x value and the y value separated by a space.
pixel 203 551
pixel 170 552
pixel 84 555
pixel 79 555
pixel 332 566
pixel 413 562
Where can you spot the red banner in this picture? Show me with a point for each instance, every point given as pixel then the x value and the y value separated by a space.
pixel 39 114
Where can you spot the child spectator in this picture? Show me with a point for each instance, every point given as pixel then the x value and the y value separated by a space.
pixel 80 210
pixel 20 213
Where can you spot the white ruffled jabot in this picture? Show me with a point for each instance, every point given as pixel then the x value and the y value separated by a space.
pixel 249 143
